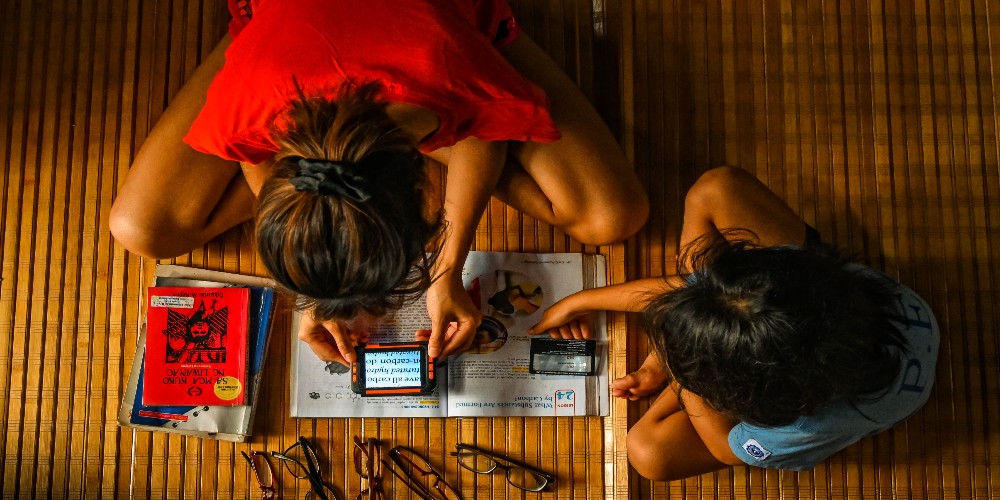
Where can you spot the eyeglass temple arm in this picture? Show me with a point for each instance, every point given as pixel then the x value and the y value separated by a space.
pixel 319 487
pixel 315 477
pixel 411 483
pixel 500 458
pixel 312 475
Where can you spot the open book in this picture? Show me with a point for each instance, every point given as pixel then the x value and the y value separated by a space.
pixel 492 379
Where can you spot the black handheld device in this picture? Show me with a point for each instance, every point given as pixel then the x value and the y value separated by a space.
pixel 563 356
pixel 393 369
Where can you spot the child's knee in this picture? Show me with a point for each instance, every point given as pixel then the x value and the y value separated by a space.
pixel 645 455
pixel 714 186
pixel 637 447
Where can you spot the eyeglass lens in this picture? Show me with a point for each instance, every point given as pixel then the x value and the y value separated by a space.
pixel 517 476
pixel 327 491
pixel 301 461
pixel 262 469
pixel 368 465
pixel 301 454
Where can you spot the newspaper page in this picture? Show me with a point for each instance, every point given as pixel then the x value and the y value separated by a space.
pixel 512 290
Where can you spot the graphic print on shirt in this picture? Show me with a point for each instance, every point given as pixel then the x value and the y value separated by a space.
pixel 919 333
pixel 755 450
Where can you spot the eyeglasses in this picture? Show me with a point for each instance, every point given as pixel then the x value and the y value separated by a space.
pixel 518 475
pixel 419 475
pixel 368 465
pixel 262 470
pixel 301 452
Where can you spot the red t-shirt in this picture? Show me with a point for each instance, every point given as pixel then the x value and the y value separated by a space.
pixel 434 54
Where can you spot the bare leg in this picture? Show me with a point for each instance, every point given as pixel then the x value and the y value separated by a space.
pixel 175 198
pixel 582 183
pixel 664 446
pixel 731 198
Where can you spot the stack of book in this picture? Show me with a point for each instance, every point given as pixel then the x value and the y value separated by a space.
pixel 200 354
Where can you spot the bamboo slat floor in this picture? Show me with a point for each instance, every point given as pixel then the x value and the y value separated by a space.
pixel 876 120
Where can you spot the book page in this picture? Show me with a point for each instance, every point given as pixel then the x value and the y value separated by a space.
pixel 321 389
pixel 492 379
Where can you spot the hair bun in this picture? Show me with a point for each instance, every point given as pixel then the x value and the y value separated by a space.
pixel 325 178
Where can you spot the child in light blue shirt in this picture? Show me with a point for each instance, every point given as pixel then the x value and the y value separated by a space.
pixel 775 351
pixel 812 438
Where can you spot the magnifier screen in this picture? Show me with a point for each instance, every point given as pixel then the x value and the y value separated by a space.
pixel 392 369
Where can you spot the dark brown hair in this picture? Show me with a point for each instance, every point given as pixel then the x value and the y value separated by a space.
pixel 770 334
pixel 346 255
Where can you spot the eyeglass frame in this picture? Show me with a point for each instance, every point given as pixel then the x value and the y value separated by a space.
pixel 497 459
pixel 314 473
pixel 411 481
pixel 268 491
pixel 371 449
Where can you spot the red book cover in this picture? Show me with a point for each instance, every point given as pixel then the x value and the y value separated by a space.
pixel 196 346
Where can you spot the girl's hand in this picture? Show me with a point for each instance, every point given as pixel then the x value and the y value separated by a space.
pixel 649 378
pixel 566 319
pixel 454 318
pixel 332 340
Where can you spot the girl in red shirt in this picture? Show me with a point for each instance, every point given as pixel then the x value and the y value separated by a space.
pixel 316 115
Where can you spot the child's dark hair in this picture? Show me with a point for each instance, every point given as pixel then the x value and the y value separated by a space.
pixel 767 335
pixel 341 221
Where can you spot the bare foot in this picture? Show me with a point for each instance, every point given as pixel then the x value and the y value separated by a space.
pixel 650 378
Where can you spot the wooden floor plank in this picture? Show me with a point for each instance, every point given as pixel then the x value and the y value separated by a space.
pixel 877 120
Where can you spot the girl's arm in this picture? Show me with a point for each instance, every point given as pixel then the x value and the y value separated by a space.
pixel 567 318
pixel 474 169
pixel 175 198
pixel 257 174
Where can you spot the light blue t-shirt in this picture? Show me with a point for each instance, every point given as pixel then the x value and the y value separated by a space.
pixel 810 440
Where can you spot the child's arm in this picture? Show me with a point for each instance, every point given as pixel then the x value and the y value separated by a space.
pixel 723 198
pixel 567 318
pixel 473 171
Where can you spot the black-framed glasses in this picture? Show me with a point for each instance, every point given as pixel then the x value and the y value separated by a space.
pixel 301 461
pixel 368 465
pixel 519 475
pixel 419 475
pixel 262 470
